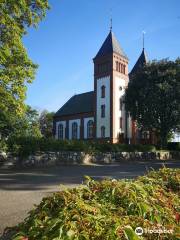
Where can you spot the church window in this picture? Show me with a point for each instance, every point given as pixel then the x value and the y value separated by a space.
pixel 60 131
pixel 103 111
pixel 120 122
pixel 90 129
pixel 103 67
pixel 103 129
pixel 103 88
pixel 74 130
pixel 146 135
pixel 123 67
pixel 120 104
pixel 117 66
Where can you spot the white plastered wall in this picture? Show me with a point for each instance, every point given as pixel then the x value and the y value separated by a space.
pixel 119 94
pixel 100 101
pixel 86 120
pixel 64 128
pixel 78 121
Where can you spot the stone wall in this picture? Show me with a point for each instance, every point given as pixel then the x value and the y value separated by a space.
pixel 69 158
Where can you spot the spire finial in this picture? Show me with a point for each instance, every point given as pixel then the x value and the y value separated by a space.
pixel 143 33
pixel 111 24
pixel 111 19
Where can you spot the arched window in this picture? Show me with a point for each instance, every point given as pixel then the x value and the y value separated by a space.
pixel 90 129
pixel 60 131
pixel 120 67
pixel 146 135
pixel 103 132
pixel 120 104
pixel 117 66
pixel 103 89
pixel 120 122
pixel 74 130
pixel 124 69
pixel 103 111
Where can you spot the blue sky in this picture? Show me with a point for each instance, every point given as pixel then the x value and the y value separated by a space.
pixel 73 31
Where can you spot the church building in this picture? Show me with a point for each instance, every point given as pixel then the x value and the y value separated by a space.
pixel 100 114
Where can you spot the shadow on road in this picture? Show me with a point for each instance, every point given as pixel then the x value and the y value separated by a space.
pixel 42 179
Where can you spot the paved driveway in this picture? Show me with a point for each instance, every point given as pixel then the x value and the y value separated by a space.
pixel 21 189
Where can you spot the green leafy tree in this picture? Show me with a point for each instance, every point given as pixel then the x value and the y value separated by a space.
pixel 153 97
pixel 46 123
pixel 26 125
pixel 16 69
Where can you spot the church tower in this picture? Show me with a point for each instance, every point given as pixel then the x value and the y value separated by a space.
pixel 110 80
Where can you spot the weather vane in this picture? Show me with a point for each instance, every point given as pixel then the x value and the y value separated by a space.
pixel 111 19
pixel 143 33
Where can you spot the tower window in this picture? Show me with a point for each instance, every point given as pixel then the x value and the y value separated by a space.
pixel 120 122
pixel 117 66
pixel 120 67
pixel 60 131
pixel 103 67
pixel 74 130
pixel 90 129
pixel 103 129
pixel 103 88
pixel 123 68
pixel 120 104
pixel 103 111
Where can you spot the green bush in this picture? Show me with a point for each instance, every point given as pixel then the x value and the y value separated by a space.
pixel 25 146
pixel 108 210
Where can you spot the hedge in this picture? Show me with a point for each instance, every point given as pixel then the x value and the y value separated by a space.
pixel 25 146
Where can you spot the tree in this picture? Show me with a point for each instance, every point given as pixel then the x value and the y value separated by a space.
pixel 46 123
pixel 26 125
pixel 30 123
pixel 16 69
pixel 153 97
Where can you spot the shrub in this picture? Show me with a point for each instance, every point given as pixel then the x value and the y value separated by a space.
pixel 108 210
pixel 25 146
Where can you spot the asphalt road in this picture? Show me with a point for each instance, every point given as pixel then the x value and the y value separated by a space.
pixel 21 189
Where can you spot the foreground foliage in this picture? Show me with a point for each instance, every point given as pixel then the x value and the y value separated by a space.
pixel 109 209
